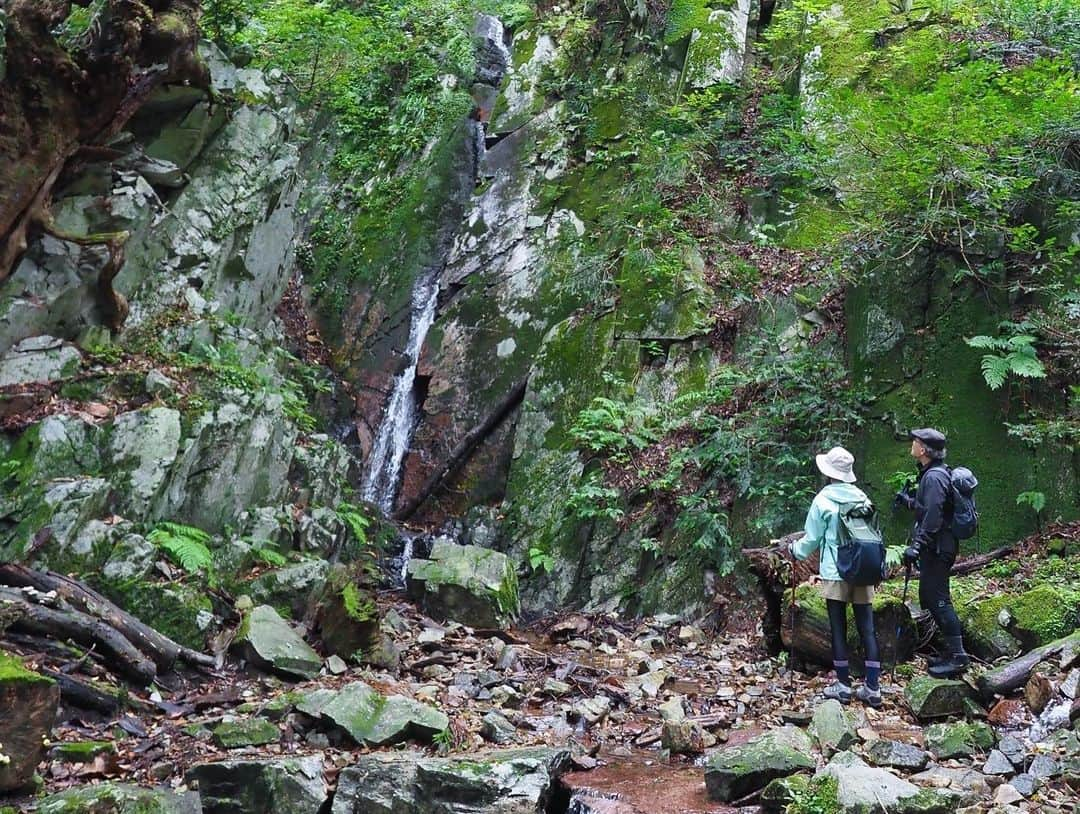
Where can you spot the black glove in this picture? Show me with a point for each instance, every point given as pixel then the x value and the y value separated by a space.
pixel 910 555
pixel 904 498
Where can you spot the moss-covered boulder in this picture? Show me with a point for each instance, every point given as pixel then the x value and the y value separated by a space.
pixel 372 719
pixel 514 781
pixel 1008 623
pixel 292 586
pixel 116 798
pixel 28 704
pixel 936 698
pixel 735 771
pixel 278 786
pixel 468 584
pixel 961 740
pixel 863 789
pixel 271 643
pixel 346 615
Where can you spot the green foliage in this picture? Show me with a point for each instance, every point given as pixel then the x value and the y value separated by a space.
pixel 186 545
pixel 591 500
pixel 358 606
pixel 1015 355
pixel 355 520
pixel 1036 500
pixel 901 480
pixel 222 20
pixel 612 428
pixel 818 797
pixel 266 552
pixel 540 560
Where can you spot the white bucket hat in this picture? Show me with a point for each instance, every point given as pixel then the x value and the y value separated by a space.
pixel 837 463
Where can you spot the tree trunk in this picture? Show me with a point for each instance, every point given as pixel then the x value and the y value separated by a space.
pixel 1015 674
pixel 59 96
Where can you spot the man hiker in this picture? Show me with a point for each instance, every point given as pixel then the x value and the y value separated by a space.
pixel 821 530
pixel 933 546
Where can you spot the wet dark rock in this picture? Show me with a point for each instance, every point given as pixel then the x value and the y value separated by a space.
pixel 270 642
pixel 515 781
pixel 937 698
pixel 897 755
pixel 961 740
pixel 277 786
pixel 372 719
pixel 1025 784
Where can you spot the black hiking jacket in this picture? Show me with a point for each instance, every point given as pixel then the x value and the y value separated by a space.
pixel 933 511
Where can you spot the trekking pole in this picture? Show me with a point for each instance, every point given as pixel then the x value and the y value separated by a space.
pixel 899 621
pixel 791 642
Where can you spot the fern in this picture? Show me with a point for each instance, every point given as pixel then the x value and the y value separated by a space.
pixel 353 517
pixel 186 545
pixel 266 552
pixel 1016 355
pixel 357 607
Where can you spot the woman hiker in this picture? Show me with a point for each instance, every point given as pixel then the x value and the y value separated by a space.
pixel 820 534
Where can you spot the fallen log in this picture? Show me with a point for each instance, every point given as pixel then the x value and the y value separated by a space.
pixel 1015 674
pixel 81 694
pixel 160 648
pixel 969 564
pixel 64 622
pixel 810 637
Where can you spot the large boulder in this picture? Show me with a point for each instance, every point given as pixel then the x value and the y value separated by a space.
pixel 735 771
pixel 468 584
pixel 38 359
pixel 513 781
pixel 862 789
pixel 278 786
pixel 271 643
pixel 28 708
pixel 116 798
pixel 373 719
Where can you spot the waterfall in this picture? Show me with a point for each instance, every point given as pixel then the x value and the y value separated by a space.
pixel 402 413
pixel 399 421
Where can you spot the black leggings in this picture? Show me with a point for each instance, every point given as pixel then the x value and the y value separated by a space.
pixel 934 594
pixel 864 621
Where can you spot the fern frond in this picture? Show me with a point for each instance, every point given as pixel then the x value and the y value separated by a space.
pixel 186 545
pixel 267 552
pixel 994 370
pixel 986 342
pixel 1025 363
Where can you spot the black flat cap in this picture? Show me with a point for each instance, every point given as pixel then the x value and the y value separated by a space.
pixel 929 437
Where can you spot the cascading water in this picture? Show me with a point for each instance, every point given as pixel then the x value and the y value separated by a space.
pixel 399 421
pixel 402 414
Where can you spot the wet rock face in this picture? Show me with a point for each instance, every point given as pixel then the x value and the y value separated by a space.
pixel 518 781
pixel 28 704
pixel 466 584
pixel 281 786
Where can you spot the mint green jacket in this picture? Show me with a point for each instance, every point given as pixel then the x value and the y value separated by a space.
pixel 820 529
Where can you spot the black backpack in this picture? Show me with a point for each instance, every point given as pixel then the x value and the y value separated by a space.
pixel 965 515
pixel 860 555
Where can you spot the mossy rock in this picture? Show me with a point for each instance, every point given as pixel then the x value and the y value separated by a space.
pixel 960 740
pixel 29 702
pixel 81 751
pixel 936 698
pixel 116 798
pixel 245 732
pixel 182 612
pixel 735 771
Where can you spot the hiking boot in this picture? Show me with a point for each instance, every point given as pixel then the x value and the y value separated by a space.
pixel 838 692
pixel 872 698
pixel 954 664
pixel 951 667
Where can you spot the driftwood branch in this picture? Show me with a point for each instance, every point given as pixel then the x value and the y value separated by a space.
pixel 1014 674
